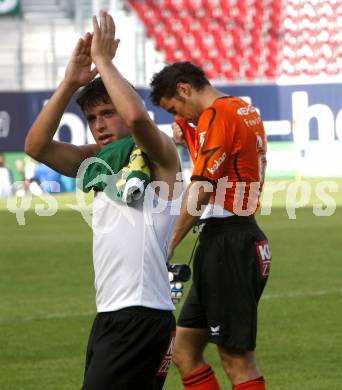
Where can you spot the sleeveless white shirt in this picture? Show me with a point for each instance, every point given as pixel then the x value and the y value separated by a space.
pixel 130 245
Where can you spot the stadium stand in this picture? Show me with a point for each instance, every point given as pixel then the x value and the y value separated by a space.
pixel 38 42
pixel 233 40
pixel 248 39
pixel 41 36
pixel 229 39
pixel 312 38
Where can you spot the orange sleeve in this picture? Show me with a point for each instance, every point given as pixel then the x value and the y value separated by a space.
pixel 214 139
pixel 189 134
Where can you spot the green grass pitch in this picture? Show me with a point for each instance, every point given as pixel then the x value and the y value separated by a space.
pixel 47 300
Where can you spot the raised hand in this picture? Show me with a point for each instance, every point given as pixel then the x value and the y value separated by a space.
pixel 78 71
pixel 104 43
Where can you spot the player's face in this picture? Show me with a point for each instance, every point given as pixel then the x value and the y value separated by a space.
pixel 184 108
pixel 105 123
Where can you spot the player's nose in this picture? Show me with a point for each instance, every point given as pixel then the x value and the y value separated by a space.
pixel 100 124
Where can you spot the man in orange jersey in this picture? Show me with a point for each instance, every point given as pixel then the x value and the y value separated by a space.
pixel 232 261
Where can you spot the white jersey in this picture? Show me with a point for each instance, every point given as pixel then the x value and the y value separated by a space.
pixel 129 252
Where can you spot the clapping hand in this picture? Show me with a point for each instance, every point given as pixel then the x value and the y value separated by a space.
pixel 78 71
pixel 104 43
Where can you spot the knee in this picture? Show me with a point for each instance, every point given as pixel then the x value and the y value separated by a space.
pixel 188 349
pixel 184 353
pixel 177 357
pixel 239 367
pixel 187 359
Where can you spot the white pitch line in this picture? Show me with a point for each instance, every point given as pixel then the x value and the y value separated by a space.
pixel 301 294
pixel 43 317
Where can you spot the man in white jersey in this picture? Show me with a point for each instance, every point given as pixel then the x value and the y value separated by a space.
pixel 130 345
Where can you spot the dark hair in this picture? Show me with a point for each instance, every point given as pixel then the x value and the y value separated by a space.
pixel 164 83
pixel 92 94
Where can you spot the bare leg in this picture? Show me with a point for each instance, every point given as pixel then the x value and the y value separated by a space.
pixel 239 366
pixel 189 346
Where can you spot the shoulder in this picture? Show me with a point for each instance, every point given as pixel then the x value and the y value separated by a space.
pixel 221 109
pixel 90 150
pixel 229 105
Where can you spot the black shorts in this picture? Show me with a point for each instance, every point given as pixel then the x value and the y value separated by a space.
pixel 231 267
pixel 129 349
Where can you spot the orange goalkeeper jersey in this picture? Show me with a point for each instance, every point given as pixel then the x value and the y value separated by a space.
pixel 228 149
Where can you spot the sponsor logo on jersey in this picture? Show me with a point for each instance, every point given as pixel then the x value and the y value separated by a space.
pixel 252 122
pixel 215 330
pixel 246 110
pixel 217 163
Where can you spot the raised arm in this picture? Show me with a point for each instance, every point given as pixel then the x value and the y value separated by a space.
pixel 157 145
pixel 63 157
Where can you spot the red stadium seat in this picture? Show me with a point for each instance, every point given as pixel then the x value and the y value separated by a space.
pixel 247 38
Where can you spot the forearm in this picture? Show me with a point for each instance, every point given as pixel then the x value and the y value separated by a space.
pixel 126 101
pixel 41 133
pixel 184 224
pixel 194 201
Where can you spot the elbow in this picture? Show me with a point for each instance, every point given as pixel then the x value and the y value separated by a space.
pixel 30 148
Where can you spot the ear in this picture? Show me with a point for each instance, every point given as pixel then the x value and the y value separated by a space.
pixel 184 89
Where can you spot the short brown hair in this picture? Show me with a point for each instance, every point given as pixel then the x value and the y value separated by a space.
pixel 92 94
pixel 164 83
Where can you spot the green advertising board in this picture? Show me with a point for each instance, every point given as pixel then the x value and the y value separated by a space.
pixel 9 7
